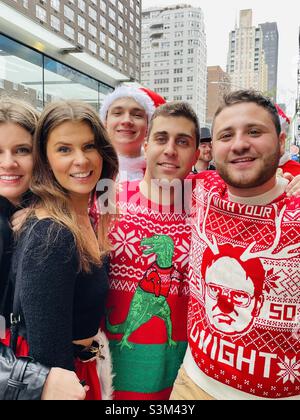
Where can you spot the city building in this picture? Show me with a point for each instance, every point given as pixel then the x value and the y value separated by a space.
pixel 53 49
pixel 174 54
pixel 246 62
pixel 218 84
pixel 270 47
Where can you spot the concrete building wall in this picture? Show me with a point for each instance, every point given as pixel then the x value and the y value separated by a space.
pixel 218 84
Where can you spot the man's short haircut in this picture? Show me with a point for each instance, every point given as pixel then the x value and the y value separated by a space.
pixel 177 109
pixel 250 96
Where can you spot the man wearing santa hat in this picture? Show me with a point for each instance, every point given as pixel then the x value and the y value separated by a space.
pixel 126 113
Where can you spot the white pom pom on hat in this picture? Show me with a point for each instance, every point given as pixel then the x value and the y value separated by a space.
pixel 147 98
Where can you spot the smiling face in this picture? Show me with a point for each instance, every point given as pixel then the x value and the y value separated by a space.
pixel 126 124
pixel 15 161
pixel 171 149
pixel 247 149
pixel 205 151
pixel 73 158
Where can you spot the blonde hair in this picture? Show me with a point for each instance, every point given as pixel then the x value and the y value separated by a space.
pixel 49 194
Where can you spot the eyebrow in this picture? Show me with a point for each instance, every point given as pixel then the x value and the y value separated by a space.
pixel 165 133
pixel 247 126
pixel 65 143
pixel 23 144
pixel 121 108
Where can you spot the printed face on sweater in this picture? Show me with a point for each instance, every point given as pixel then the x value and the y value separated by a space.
pixel 171 149
pixel 73 158
pixel 231 300
pixel 126 124
pixel 246 149
pixel 15 161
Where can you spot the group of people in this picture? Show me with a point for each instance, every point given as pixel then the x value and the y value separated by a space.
pixel 161 300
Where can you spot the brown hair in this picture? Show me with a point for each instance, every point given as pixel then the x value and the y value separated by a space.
pixel 16 111
pixel 177 109
pixel 50 195
pixel 250 96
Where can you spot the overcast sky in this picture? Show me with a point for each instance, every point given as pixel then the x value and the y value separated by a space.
pixel 220 17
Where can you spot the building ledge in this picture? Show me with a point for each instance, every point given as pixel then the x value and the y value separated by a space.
pixel 21 28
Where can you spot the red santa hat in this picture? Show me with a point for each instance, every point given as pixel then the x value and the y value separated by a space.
pixel 284 119
pixel 148 99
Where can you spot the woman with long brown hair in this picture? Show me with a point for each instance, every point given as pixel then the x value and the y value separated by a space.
pixel 59 267
pixel 18 122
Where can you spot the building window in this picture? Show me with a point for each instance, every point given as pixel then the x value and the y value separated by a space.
pixel 92 13
pixel 55 4
pixel 112 29
pixel 81 39
pixel 92 30
pixel 103 21
pixel 111 59
pixel 68 31
pixel 81 5
pixel 45 80
pixel 81 22
pixel 55 22
pixel 41 13
pixel 92 47
pixel 111 14
pixel 111 44
pixel 69 13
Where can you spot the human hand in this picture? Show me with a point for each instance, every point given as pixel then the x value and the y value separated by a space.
pixel 293 188
pixel 18 218
pixel 63 384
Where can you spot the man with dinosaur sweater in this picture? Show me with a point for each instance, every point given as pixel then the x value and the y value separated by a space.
pixel 147 303
pixel 244 311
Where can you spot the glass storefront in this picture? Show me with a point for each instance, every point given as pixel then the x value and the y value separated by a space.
pixel 38 79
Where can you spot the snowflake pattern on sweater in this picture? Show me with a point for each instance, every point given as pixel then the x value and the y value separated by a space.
pixel 244 310
pixel 148 297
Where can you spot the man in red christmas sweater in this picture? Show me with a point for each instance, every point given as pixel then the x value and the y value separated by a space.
pixel 147 302
pixel 244 310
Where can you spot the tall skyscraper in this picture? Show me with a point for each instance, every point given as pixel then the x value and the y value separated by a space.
pixel 246 62
pixel 270 46
pixel 218 84
pixel 174 54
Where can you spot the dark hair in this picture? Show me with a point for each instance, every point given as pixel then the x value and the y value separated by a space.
pixel 177 109
pixel 49 194
pixel 250 96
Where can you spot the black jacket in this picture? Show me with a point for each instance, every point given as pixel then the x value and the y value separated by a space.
pixel 6 243
pixel 20 378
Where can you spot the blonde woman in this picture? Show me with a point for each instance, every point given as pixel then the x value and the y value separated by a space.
pixel 60 269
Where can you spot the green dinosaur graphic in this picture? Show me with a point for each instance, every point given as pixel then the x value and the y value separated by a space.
pixel 150 298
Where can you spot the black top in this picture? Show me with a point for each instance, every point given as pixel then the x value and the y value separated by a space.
pixel 59 303
pixel 6 243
